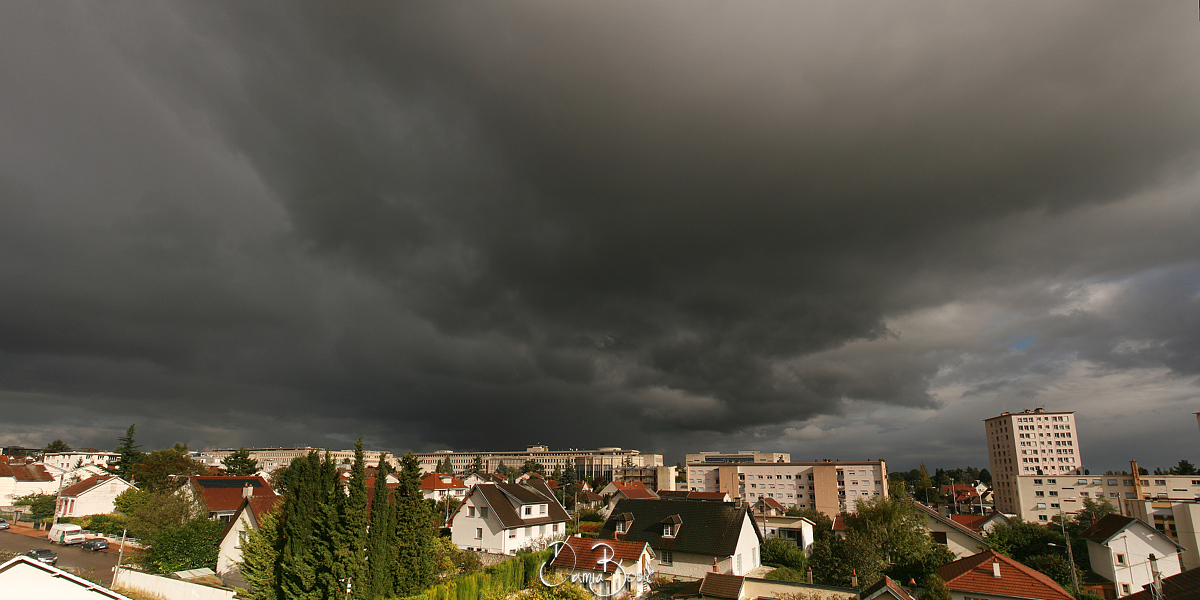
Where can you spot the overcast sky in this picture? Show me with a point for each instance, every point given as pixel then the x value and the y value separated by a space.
pixel 843 230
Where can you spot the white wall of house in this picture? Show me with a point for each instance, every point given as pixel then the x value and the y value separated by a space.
pixel 21 578
pixel 229 551
pixel 99 500
pixel 1125 560
pixel 471 530
pixel 746 557
pixel 11 488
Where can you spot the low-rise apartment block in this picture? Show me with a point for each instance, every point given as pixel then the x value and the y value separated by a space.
pixel 830 487
pixel 601 463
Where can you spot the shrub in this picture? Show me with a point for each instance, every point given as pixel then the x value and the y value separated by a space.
pixel 590 515
pixel 785 574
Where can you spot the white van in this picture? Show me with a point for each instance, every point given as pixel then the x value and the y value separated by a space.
pixel 66 533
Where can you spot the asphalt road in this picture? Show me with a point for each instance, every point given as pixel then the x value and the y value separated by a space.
pixel 92 564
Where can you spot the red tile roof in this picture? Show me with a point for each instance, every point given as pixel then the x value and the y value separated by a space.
pixel 839 523
pixel 720 585
pixel 224 494
pixel 85 485
pixel 1183 586
pixel 26 472
pixel 974 574
pixel 433 481
pixel 590 553
pixel 972 522
pixel 634 490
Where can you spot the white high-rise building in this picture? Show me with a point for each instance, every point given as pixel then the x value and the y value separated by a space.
pixel 1031 442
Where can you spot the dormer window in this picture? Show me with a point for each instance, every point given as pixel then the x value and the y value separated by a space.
pixel 541 509
pixel 669 530
pixel 670 526
pixel 620 526
pixel 529 511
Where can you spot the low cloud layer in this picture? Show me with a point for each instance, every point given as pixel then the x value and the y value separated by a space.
pixel 844 231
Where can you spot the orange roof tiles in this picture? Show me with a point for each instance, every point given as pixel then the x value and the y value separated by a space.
pixel 85 485
pixel 433 481
pixel 25 472
pixel 590 553
pixel 975 574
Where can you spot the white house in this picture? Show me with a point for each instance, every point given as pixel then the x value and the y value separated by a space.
pixel 591 563
pixel 66 461
pixel 437 486
pixel 798 530
pixel 23 577
pixel 95 495
pixel 502 518
pixel 960 539
pixel 247 518
pixel 22 479
pixel 1120 549
pixel 689 538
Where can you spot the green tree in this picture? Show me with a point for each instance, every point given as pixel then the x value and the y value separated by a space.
pixel 778 552
pixel 56 446
pixel 557 474
pixel 260 559
pixel 153 512
pixel 1183 468
pixel 923 480
pixel 298 556
pixel 192 545
pixel 127 448
pixel 935 589
pixel 476 466
pixel 350 551
pixel 985 476
pixel 41 506
pixel 501 470
pixel 381 538
pixel 822 524
pixel 1092 510
pixel 1020 540
pixel 239 463
pixel 533 466
pixel 414 536
pixel 569 484
pixel 1053 565
pixel 680 473
pixel 164 469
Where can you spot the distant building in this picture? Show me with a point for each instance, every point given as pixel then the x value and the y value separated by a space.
pixel 658 478
pixel 830 487
pixel 736 457
pixel 66 461
pixel 601 463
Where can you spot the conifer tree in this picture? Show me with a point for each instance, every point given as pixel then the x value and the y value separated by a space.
pixel 381 561
pixel 328 535
pixel 260 559
pixel 239 463
pixel 414 535
pixel 350 552
pixel 128 449
pixel 501 469
pixel 476 466
pixel 297 567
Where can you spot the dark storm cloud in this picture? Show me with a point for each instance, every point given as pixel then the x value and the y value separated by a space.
pixel 676 224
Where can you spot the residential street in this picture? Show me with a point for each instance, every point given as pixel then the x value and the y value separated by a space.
pixel 70 558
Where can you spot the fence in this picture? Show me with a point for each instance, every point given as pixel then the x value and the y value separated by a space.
pixel 170 589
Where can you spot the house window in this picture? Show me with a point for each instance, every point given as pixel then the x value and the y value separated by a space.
pixel 470 511
pixel 529 511
pixel 1043 518
pixel 483 510
pixel 479 533
pixel 1125 589
pixel 665 557
pixel 1120 559
pixel 620 526
pixel 554 528
pixel 939 537
pixel 1040 494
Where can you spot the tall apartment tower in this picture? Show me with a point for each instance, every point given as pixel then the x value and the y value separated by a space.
pixel 1031 442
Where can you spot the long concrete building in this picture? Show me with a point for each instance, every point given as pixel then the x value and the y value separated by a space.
pixel 830 487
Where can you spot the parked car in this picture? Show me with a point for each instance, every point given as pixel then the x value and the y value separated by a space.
pixel 95 544
pixel 3 524
pixel 44 555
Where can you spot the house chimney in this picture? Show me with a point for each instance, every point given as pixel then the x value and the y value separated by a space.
pixel 996 569
pixel 715 568
pixel 809 576
pixel 247 490
pixel 1155 577
pixel 854 578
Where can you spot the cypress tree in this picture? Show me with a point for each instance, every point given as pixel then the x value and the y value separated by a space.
pixel 354 525
pixel 297 567
pixel 328 535
pixel 475 467
pixel 260 559
pixel 414 534
pixel 379 581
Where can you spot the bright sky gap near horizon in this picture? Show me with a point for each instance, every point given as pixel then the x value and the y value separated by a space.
pixel 841 230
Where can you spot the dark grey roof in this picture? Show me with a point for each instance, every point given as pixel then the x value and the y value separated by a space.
pixel 497 496
pixel 709 528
